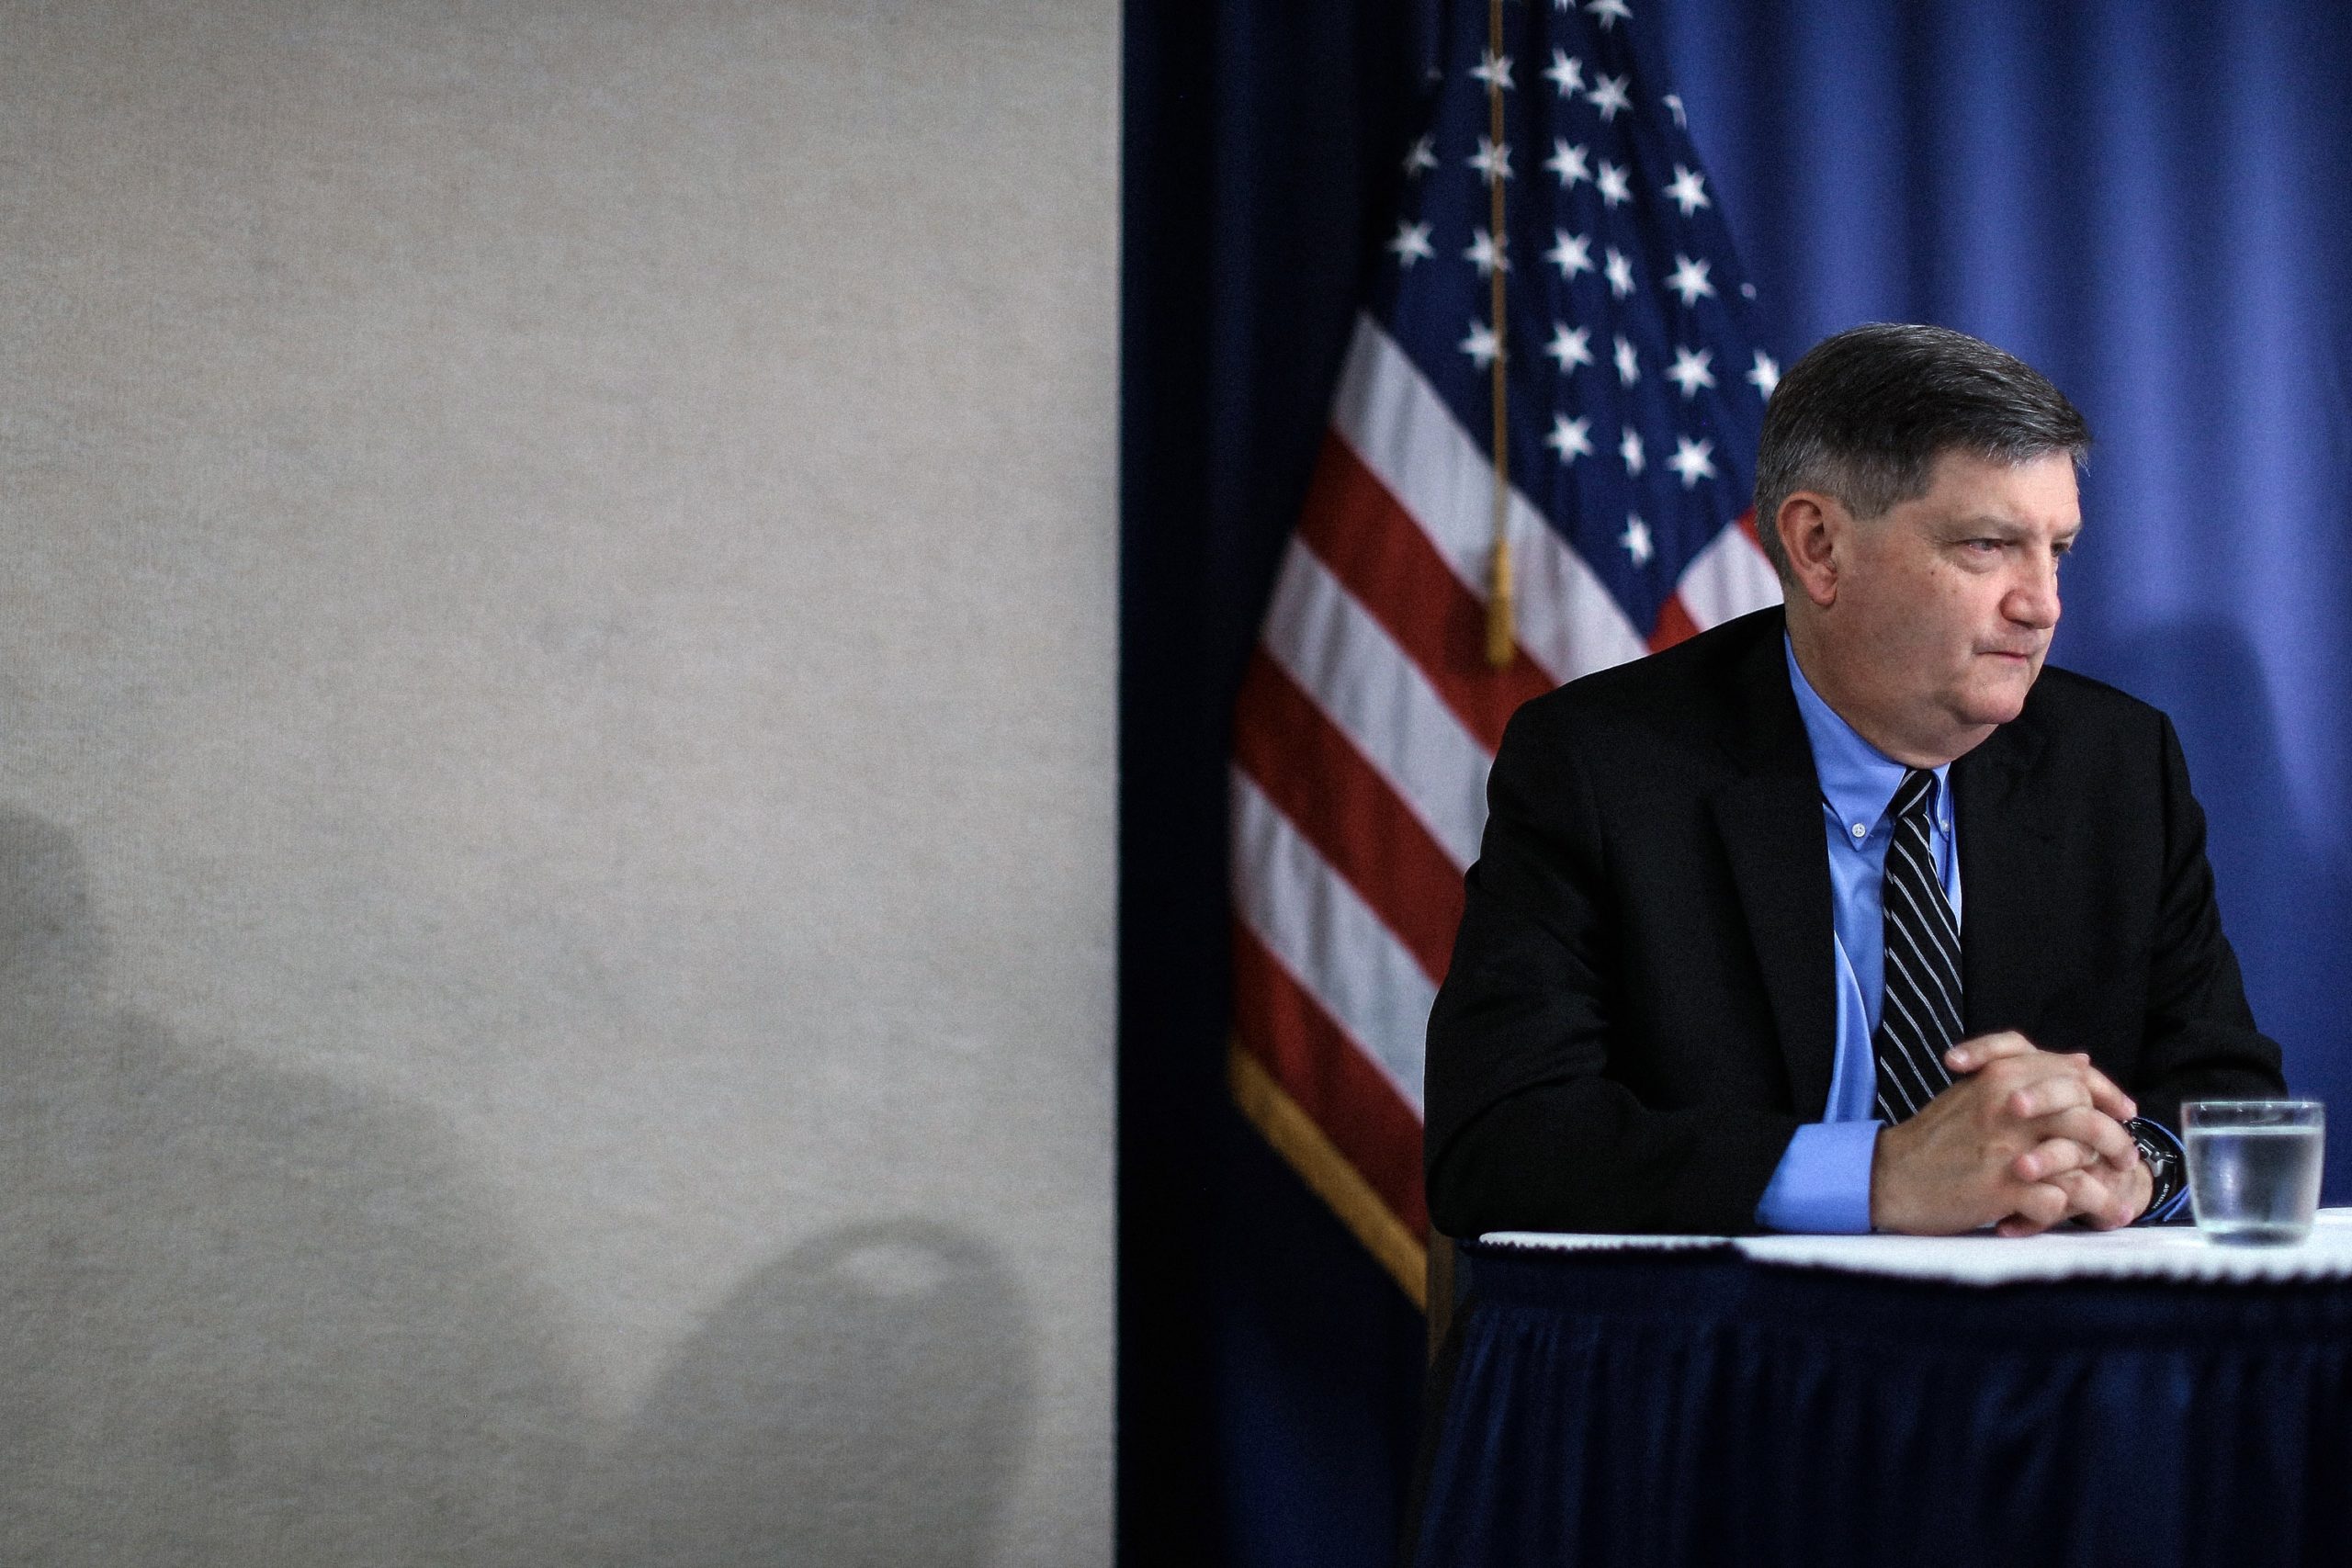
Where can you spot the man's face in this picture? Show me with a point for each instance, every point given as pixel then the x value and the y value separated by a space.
pixel 1943 607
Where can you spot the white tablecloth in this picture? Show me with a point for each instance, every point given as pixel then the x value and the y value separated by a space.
pixel 2157 1252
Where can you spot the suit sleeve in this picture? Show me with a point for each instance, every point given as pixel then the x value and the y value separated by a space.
pixel 2200 1042
pixel 1530 1123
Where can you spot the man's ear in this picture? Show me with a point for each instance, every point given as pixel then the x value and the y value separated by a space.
pixel 1804 522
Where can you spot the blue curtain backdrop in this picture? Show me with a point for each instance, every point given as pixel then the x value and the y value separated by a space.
pixel 2147 198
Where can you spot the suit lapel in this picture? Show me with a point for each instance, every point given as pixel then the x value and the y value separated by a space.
pixel 2005 857
pixel 1769 816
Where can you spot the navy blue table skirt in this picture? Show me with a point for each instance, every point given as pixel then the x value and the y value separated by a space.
pixel 1631 1409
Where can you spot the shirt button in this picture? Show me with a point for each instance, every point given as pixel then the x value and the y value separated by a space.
pixel 1860 831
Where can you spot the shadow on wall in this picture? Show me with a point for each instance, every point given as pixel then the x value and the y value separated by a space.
pixel 254 1318
pixel 863 1401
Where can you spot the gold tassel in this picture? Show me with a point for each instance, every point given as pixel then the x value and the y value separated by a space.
pixel 1500 635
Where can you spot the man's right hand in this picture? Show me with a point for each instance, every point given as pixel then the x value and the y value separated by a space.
pixel 2023 1139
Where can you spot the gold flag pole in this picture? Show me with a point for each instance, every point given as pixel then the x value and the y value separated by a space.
pixel 1500 635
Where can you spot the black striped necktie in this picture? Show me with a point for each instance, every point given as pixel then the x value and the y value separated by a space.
pixel 1919 1008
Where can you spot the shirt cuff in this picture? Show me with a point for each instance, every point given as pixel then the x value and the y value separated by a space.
pixel 1822 1185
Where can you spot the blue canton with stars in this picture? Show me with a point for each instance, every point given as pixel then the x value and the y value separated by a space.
pixel 1636 387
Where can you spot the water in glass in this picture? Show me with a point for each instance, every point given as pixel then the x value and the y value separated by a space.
pixel 2253 1186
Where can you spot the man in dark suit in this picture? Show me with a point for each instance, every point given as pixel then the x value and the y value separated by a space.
pixel 1847 914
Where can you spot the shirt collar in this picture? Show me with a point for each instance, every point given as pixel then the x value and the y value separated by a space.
pixel 1857 780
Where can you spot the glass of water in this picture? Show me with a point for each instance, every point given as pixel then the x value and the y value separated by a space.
pixel 2254 1168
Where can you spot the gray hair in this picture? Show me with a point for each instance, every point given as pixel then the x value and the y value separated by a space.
pixel 1864 415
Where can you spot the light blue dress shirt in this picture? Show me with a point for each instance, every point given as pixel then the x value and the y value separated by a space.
pixel 1822 1182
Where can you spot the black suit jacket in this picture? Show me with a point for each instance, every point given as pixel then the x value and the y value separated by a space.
pixel 1640 1011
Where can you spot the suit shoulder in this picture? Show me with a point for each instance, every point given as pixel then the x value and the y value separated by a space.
pixel 2074 704
pixel 1688 688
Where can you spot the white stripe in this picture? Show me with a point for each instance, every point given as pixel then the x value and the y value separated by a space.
pixel 1367 684
pixel 1889 1079
pixel 1329 939
pixel 1903 1051
pixel 1387 411
pixel 1923 864
pixel 1938 964
pixel 1947 1016
pixel 1729 578
pixel 1923 1063
pixel 1919 925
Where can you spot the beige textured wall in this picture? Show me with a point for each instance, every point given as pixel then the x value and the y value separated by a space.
pixel 555 748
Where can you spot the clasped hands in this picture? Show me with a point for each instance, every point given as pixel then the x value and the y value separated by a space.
pixel 2023 1139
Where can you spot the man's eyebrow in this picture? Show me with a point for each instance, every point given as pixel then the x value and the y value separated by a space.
pixel 2004 528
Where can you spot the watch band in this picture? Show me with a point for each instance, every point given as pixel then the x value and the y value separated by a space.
pixel 2167 1171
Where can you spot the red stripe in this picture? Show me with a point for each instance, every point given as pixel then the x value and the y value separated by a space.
pixel 1373 546
pixel 1331 1079
pixel 1746 523
pixel 1315 776
pixel 1674 623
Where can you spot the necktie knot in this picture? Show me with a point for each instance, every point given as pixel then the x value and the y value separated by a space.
pixel 1911 795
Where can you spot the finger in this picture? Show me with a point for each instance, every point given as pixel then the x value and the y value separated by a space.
pixel 1971 1054
pixel 2098 1201
pixel 2104 1092
pixel 2050 1156
pixel 2097 1132
pixel 2039 1206
pixel 2138 1186
pixel 2048 1095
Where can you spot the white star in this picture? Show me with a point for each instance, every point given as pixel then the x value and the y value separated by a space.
pixel 1572 253
pixel 1568 437
pixel 1629 368
pixel 1492 163
pixel 1630 449
pixel 1484 254
pixel 1609 13
pixel 1568 346
pixel 1480 344
pixel 1636 539
pixel 1567 162
pixel 1422 156
pixel 1688 279
pixel 1692 460
pixel 1411 243
pixel 1690 371
pixel 1748 292
pixel 1608 96
pixel 1614 189
pixel 1494 70
pixel 1766 375
pixel 1673 102
pixel 1689 190
pixel 1620 273
pixel 1566 73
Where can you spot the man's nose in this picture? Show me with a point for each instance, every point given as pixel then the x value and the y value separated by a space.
pixel 2032 599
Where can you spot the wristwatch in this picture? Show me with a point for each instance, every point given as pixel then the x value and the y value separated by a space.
pixel 2162 1155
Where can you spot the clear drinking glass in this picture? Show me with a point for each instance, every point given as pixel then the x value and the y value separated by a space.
pixel 2254 1168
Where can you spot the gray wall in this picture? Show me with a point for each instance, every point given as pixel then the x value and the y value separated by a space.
pixel 556 747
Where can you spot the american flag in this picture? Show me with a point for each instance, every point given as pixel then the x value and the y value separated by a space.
pixel 1371 711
